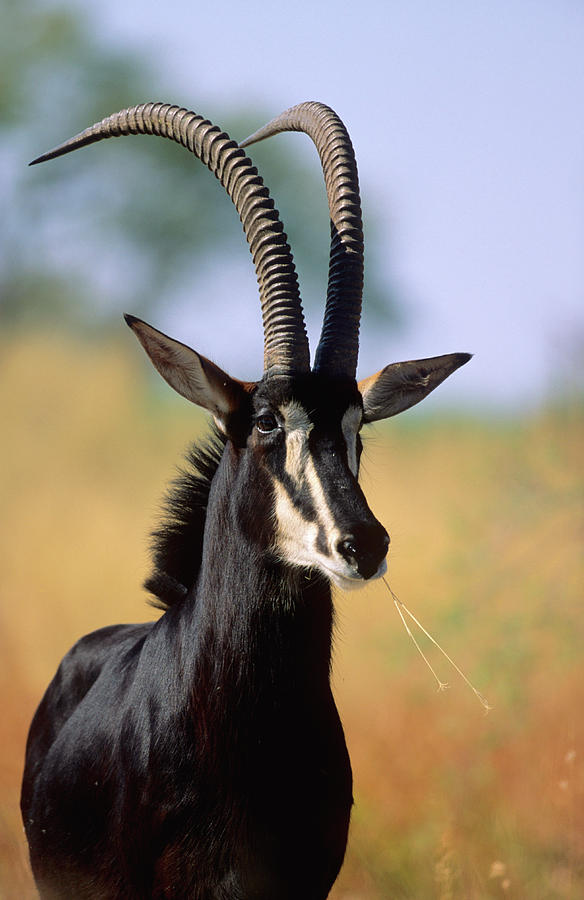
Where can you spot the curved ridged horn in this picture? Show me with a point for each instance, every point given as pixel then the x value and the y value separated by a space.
pixel 285 341
pixel 338 348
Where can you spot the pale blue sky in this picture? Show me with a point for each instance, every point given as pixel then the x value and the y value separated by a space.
pixel 468 122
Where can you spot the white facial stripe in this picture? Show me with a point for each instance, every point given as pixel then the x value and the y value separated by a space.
pixel 296 451
pixel 298 427
pixel 296 538
pixel 350 425
pixel 296 417
pixel 325 516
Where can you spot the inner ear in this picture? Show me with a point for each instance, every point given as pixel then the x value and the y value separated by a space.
pixel 401 385
pixel 192 375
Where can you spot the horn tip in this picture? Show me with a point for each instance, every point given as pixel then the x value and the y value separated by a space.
pixel 61 150
pixel 43 158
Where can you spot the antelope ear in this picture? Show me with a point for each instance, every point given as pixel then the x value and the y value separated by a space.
pixel 192 375
pixel 401 385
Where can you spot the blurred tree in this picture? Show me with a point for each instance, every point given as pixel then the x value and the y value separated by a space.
pixel 133 225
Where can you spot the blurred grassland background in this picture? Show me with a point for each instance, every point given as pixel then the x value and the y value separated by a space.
pixel 485 518
pixel 474 242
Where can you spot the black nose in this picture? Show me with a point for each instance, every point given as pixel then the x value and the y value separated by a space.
pixel 365 547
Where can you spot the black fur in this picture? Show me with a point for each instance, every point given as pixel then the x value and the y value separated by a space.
pixel 177 544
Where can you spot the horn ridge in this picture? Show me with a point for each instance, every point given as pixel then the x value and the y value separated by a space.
pixel 339 343
pixel 285 341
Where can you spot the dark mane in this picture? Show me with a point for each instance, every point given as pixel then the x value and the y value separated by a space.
pixel 177 543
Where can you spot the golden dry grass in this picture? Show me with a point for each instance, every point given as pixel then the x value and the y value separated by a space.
pixel 485 521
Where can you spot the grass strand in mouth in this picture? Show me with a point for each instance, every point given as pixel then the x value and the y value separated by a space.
pixel 442 685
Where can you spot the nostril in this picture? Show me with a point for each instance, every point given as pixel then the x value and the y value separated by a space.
pixel 365 548
pixel 348 549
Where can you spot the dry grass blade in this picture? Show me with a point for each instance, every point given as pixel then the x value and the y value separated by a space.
pixel 402 608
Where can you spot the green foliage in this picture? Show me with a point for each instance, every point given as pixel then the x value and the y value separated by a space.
pixel 133 224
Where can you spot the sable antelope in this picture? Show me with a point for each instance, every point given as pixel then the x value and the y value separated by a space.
pixel 202 755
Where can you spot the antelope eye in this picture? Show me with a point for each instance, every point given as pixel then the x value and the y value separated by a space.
pixel 266 423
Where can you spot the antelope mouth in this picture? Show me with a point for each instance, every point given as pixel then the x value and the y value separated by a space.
pixel 348 579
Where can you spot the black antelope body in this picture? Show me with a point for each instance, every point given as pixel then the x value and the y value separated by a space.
pixel 202 756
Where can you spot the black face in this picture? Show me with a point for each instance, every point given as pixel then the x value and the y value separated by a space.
pixel 304 434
